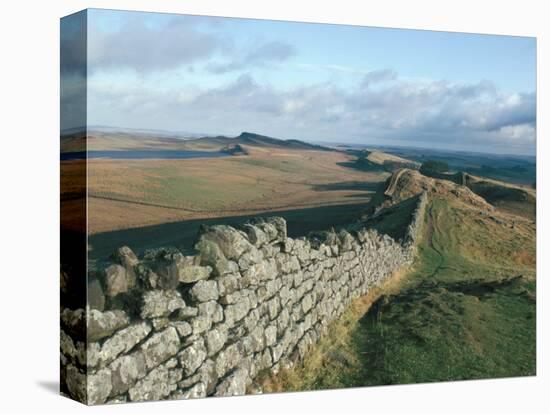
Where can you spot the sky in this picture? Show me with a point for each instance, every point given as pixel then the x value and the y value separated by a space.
pixel 315 82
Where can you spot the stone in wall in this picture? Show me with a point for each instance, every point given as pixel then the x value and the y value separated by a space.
pixel 251 299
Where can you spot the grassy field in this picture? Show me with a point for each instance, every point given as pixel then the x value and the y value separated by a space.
pixel 136 193
pixel 465 310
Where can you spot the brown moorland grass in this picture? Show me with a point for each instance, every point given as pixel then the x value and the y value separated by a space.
pixel 136 193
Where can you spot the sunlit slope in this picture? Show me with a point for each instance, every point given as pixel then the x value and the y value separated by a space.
pixel 136 193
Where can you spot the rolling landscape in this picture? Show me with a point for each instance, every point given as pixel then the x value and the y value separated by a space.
pixel 253 207
pixel 267 175
pixel 465 309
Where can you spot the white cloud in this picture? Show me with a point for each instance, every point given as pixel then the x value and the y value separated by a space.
pixel 439 112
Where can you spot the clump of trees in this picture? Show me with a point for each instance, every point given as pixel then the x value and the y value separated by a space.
pixel 434 166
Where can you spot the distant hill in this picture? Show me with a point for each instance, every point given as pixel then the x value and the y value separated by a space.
pixel 254 140
pixel 383 158
pixel 514 198
pixel 124 140
pixel 379 161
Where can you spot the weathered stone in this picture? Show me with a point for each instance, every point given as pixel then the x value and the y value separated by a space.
pixel 76 383
pixel 196 391
pixel 270 250
pixel 200 324
pixel 99 386
pixel 103 324
pixel 147 277
pixel 159 323
pixel 234 384
pixel 191 274
pixel 229 283
pixel 208 375
pixel 204 290
pixel 121 399
pixel 67 346
pixel 254 256
pixel 231 242
pixel 192 357
pixel 96 298
pixel 188 382
pixel 270 335
pixel 236 312
pixel 224 267
pixel 280 225
pixel 307 303
pixel 257 342
pixel 212 309
pixel 265 359
pixel 277 352
pixel 273 307
pixel 160 347
pixel 159 303
pixel 256 273
pixel 227 359
pixel 346 240
pixel 116 280
pixel 215 340
pixel 184 328
pixel 234 297
pixel 125 371
pixel 251 320
pixel 255 235
pixel 125 256
pixel 286 263
pixel 186 313
pixel 122 342
pixel 270 231
pixel 155 385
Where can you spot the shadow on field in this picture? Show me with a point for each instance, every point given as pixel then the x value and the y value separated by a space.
pixel 348 186
pixel 183 234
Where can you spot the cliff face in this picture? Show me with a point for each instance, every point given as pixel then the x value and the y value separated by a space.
pixel 171 326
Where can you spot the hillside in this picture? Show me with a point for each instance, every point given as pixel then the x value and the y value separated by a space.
pixel 382 158
pixel 261 175
pixel 465 309
pixel 513 198
pixel 366 160
pixel 118 141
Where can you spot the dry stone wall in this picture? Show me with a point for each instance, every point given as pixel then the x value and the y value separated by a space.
pixel 169 326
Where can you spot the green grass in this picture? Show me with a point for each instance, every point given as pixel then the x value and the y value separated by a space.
pixel 466 310
pixel 462 314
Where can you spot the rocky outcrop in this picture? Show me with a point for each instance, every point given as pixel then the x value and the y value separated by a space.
pixel 406 183
pixel 251 299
